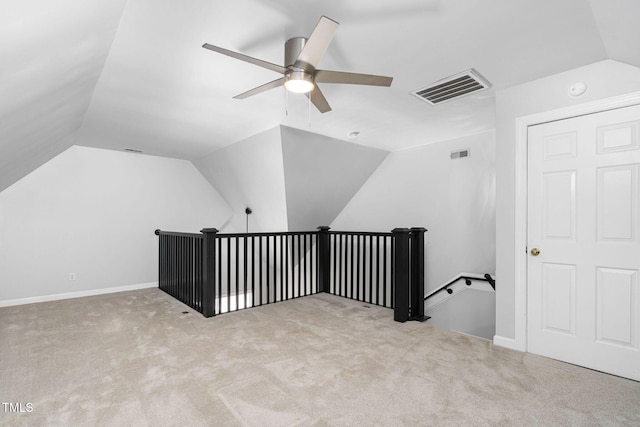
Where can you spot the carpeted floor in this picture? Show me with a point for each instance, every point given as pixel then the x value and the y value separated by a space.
pixel 135 359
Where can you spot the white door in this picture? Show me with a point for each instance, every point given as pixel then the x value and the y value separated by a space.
pixel 583 300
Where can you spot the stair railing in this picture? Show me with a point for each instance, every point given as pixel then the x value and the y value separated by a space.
pixel 215 273
pixel 468 280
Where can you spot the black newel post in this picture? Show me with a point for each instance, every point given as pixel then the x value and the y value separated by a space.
pixel 401 274
pixel 324 259
pixel 209 271
pixel 161 260
pixel 417 273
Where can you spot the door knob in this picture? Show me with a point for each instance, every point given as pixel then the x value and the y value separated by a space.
pixel 535 251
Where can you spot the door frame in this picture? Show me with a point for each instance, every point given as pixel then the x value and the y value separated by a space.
pixel 520 340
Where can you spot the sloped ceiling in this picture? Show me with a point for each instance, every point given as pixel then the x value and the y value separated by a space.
pixel 133 74
pixel 250 174
pixel 321 176
pixel 617 22
pixel 291 179
pixel 51 56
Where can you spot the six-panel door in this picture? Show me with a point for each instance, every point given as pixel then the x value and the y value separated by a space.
pixel 582 289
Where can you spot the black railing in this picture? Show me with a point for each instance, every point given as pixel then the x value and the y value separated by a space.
pixel 181 268
pixel 467 279
pixel 217 273
pixel 255 269
pixel 361 267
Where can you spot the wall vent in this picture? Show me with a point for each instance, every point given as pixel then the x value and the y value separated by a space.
pixel 452 87
pixel 460 154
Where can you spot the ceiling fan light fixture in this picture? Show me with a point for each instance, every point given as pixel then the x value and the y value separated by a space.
pixel 299 81
pixel 300 72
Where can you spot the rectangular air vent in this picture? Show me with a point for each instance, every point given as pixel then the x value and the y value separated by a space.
pixel 452 87
pixel 460 154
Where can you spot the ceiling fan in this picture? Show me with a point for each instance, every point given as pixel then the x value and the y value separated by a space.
pixel 300 73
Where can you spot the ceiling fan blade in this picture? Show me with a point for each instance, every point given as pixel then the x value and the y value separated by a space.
pixel 318 100
pixel 324 76
pixel 245 58
pixel 256 90
pixel 318 41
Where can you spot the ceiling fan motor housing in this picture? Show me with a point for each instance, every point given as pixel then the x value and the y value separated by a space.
pixel 292 49
pixel 297 80
pixel 299 76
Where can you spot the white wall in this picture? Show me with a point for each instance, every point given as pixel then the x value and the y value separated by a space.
pixel 250 173
pixel 605 79
pixel 93 212
pixel 469 311
pixel 293 180
pixel 453 199
pixel 321 175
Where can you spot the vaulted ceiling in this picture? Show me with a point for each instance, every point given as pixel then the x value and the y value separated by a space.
pixel 132 73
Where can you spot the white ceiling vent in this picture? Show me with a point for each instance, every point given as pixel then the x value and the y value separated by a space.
pixel 452 87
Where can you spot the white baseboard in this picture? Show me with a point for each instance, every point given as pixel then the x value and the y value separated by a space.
pixel 79 294
pixel 506 342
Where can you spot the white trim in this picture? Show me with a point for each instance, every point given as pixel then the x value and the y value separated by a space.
pixel 506 343
pixel 79 294
pixel 520 223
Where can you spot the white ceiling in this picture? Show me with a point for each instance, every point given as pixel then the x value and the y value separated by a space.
pixel 132 73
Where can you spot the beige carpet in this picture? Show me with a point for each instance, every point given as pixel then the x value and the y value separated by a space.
pixel 135 359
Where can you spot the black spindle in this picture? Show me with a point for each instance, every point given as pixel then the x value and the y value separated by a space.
pixel 253 271
pixel 244 268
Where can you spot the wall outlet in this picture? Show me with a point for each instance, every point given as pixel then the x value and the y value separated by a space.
pixel 72 276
